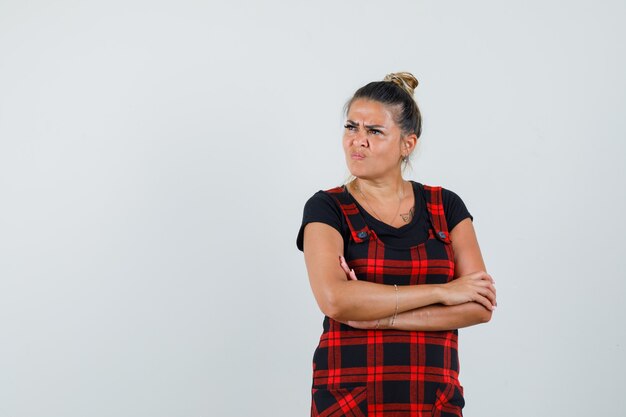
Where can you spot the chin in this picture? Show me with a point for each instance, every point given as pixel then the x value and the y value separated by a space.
pixel 356 170
pixel 358 173
pixel 361 175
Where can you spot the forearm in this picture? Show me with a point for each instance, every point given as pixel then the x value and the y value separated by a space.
pixel 440 317
pixel 362 300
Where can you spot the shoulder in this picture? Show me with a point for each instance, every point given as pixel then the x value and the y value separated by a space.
pixel 428 190
pixel 449 196
pixel 322 207
pixel 323 200
pixel 453 206
pixel 431 193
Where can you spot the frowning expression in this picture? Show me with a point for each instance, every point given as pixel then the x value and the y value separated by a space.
pixel 372 141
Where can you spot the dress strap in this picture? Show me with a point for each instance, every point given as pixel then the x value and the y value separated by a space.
pixel 434 204
pixel 359 231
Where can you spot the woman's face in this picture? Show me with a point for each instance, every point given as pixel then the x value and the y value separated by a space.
pixel 372 141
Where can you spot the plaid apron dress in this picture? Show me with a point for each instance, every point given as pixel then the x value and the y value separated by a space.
pixel 390 373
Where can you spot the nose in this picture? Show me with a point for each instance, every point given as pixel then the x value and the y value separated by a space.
pixel 360 139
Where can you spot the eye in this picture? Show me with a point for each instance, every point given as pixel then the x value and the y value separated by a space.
pixel 350 127
pixel 375 132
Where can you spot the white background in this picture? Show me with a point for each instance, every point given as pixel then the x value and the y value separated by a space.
pixel 155 158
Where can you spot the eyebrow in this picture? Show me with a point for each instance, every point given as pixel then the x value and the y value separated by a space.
pixel 367 126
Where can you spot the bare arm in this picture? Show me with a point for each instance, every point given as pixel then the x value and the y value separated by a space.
pixel 431 318
pixel 440 317
pixel 468 259
pixel 345 300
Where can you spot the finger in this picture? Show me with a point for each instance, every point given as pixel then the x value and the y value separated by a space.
pixel 490 296
pixel 487 284
pixel 352 274
pixel 492 288
pixel 485 277
pixel 492 299
pixel 487 291
pixel 477 275
pixel 485 302
pixel 344 264
pixel 495 297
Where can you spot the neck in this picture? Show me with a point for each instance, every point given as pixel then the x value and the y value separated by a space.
pixel 382 190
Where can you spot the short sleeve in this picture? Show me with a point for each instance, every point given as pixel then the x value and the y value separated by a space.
pixel 320 208
pixel 454 208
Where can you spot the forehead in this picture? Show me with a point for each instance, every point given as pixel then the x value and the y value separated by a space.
pixel 370 112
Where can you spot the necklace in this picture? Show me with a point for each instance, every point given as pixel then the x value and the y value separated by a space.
pixel 356 186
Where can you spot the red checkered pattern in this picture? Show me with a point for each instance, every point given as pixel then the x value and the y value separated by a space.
pixel 390 373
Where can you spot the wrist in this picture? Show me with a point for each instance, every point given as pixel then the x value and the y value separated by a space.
pixel 439 293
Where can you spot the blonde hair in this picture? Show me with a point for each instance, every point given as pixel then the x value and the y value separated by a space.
pixel 404 80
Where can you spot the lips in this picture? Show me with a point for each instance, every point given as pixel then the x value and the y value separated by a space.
pixel 357 156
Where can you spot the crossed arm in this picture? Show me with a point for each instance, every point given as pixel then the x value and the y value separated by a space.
pixel 468 300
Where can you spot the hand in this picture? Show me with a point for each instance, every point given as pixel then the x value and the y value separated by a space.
pixel 478 287
pixel 359 324
pixel 344 265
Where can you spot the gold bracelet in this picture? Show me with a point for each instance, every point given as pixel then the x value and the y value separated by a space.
pixel 393 319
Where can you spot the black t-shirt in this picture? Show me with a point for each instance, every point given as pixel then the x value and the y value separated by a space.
pixel 323 208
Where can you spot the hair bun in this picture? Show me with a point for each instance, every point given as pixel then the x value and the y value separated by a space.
pixel 404 80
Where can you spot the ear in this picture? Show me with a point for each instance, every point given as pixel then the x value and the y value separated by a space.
pixel 408 144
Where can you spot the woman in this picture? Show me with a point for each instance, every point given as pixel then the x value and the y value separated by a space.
pixel 395 267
